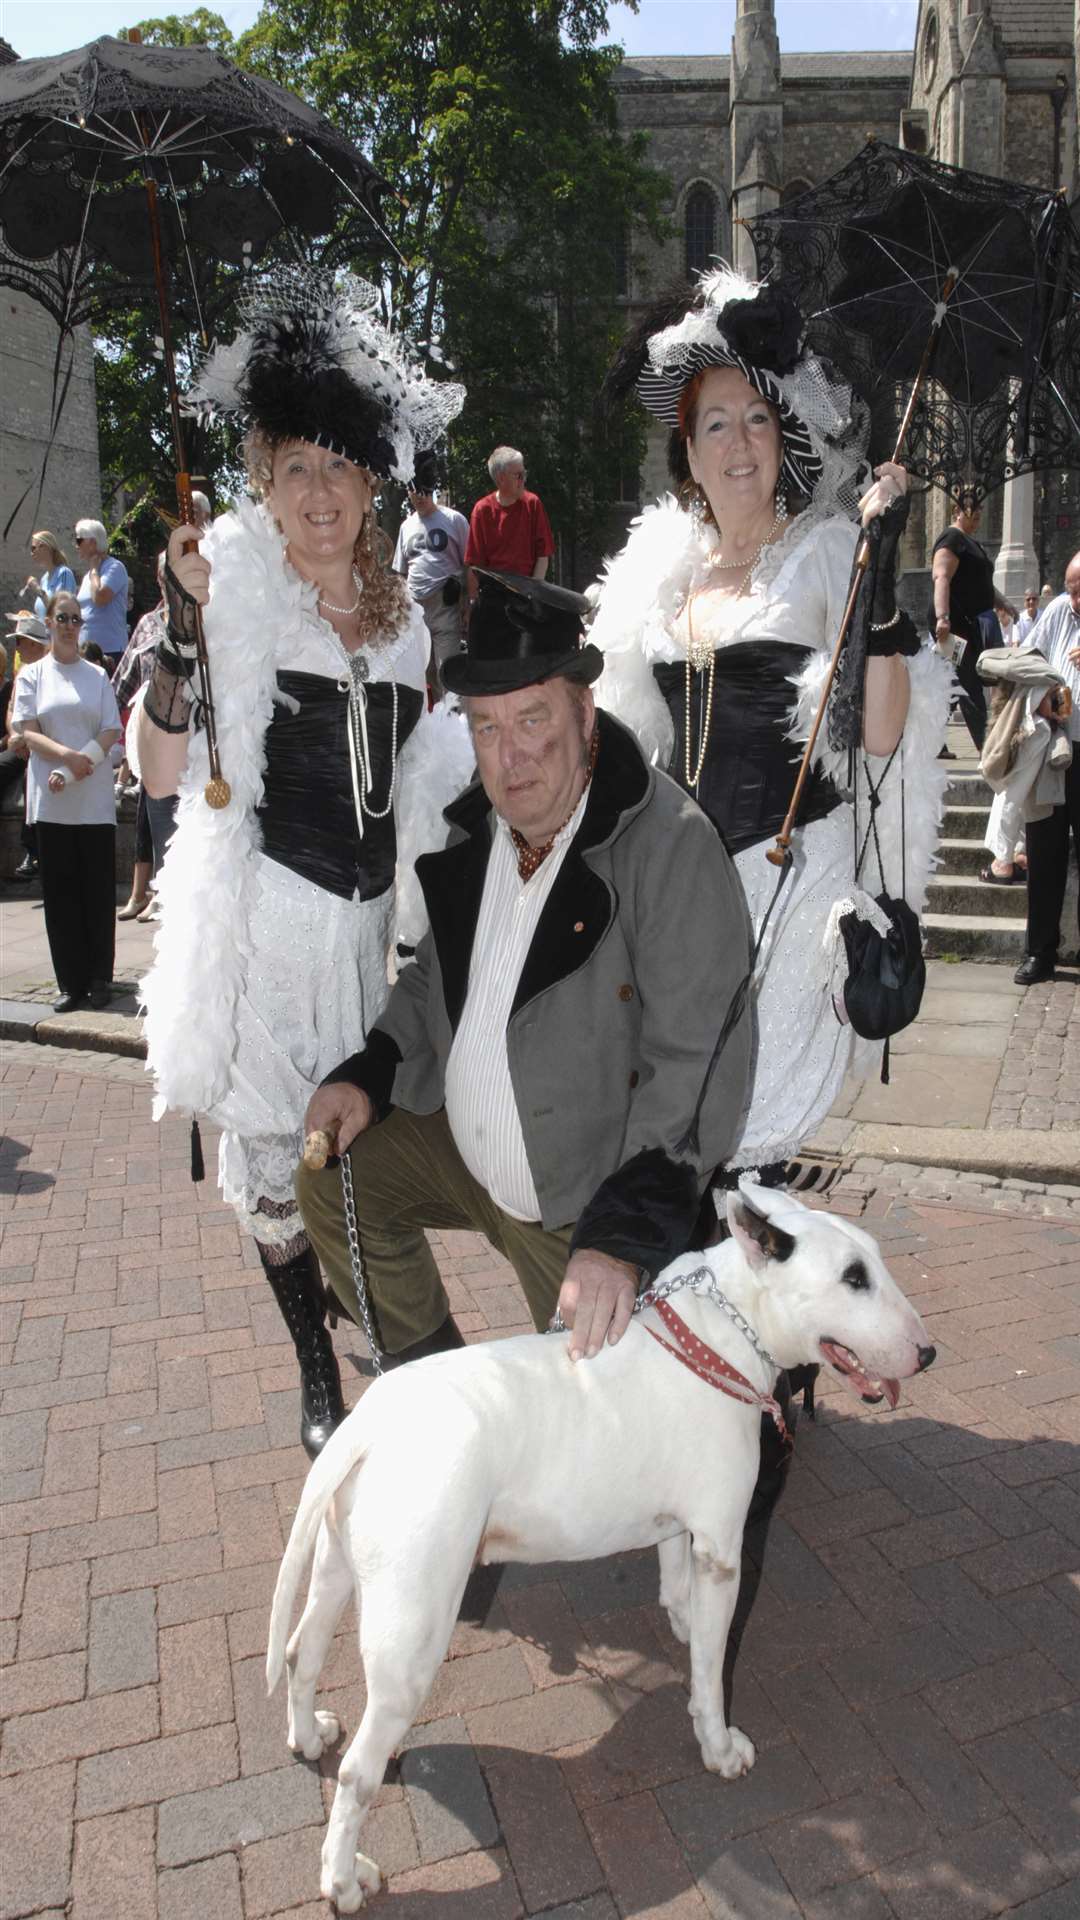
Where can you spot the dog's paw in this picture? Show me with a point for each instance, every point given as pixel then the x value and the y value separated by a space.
pixel 349 1893
pixel 312 1744
pixel 728 1752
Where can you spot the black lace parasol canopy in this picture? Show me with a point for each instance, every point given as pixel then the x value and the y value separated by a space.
pixel 895 246
pixel 238 165
pixel 130 173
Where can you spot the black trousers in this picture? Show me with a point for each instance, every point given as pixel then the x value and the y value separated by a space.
pixel 78 886
pixel 1048 867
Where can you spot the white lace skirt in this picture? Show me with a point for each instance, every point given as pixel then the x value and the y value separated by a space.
pixel 801 1049
pixel 316 981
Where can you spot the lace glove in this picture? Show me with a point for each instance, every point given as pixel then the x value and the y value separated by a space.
pixel 177 653
pixel 891 631
pixel 168 699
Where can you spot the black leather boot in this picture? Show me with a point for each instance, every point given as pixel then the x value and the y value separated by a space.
pixel 298 1290
pixel 443 1340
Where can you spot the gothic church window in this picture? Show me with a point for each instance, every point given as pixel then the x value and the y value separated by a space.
pixel 699 224
pixel 930 50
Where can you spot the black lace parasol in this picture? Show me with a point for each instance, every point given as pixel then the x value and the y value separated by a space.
pixel 129 172
pixel 238 164
pixel 895 246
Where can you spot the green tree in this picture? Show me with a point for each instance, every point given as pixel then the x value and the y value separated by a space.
pixel 494 123
pixel 511 189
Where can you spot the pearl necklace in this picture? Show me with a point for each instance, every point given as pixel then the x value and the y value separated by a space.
pixel 696 660
pixel 729 566
pixel 345 613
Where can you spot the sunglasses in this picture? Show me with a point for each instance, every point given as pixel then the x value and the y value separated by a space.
pixel 68 619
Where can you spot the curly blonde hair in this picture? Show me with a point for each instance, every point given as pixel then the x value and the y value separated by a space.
pixel 384 604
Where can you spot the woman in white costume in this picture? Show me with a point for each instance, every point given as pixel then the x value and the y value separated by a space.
pixel 277 909
pixel 718 620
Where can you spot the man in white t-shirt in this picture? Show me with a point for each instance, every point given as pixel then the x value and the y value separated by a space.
pixel 103 593
pixel 430 552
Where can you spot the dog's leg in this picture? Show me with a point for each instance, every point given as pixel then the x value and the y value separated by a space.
pixel 329 1591
pixel 404 1634
pixel 714 1589
pixel 675 1583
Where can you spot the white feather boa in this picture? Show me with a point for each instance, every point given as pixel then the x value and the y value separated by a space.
pixel 208 882
pixel 642 592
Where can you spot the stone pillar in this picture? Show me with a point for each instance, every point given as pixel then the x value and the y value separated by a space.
pixel 756 123
pixel 1017 567
pixel 981 143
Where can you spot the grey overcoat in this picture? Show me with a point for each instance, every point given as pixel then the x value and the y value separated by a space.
pixel 639 957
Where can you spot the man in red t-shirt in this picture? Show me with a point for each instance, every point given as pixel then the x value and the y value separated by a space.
pixel 509 529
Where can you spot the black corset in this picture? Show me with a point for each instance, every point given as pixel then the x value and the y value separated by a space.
pixel 307 815
pixel 750 764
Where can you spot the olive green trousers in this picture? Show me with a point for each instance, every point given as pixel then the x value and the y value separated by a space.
pixel 408 1176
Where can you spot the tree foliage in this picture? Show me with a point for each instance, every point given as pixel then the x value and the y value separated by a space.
pixel 511 192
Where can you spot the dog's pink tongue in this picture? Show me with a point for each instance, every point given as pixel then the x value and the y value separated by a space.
pixel 892 1392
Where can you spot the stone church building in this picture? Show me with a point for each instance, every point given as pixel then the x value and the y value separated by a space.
pixel 991 85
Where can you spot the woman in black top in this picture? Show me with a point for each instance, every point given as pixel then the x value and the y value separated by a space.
pixel 965 602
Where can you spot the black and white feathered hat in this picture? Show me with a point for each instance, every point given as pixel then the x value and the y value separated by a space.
pixel 725 320
pixel 313 362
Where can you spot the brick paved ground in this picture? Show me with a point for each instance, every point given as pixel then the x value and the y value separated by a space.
pixel 1039 1082
pixel 909 1662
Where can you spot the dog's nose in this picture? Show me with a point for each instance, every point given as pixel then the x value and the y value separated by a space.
pixel 927 1356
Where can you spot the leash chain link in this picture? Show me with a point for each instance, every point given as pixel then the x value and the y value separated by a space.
pixel 700 1281
pixel 356 1261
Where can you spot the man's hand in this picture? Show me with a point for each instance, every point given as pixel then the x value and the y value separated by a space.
pixel 79 765
pixel 596 1299
pixel 1073 656
pixel 341 1111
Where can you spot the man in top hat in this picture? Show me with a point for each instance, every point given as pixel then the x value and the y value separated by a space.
pixel 28 638
pixel 535 1074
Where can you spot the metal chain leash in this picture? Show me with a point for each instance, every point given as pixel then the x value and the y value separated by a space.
pixel 356 1261
pixel 699 1281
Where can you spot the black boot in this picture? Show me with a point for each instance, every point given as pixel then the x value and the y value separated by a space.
pixel 298 1290
pixel 443 1340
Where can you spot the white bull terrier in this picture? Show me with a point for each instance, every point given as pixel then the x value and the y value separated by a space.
pixel 511 1452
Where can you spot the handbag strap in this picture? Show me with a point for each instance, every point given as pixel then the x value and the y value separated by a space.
pixel 874 791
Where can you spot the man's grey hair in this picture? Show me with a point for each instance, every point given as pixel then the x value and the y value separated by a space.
pixel 504 457
pixel 92 530
pixel 201 508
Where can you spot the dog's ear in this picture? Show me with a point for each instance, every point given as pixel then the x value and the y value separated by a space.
pixel 758 1237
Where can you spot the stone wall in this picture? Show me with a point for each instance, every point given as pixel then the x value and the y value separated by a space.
pixel 72 487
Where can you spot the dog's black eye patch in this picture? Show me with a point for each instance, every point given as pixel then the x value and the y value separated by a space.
pixel 856 1277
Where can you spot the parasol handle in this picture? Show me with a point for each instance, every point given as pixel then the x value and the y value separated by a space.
pixel 780 854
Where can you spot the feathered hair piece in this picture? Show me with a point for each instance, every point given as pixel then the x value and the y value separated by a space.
pixel 725 320
pixel 314 362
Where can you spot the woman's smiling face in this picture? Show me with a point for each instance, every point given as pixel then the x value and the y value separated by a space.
pixel 736 447
pixel 319 500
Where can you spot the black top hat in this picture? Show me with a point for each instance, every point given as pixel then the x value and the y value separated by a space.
pixel 522 631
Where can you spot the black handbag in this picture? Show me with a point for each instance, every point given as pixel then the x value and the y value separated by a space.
pixel 886 971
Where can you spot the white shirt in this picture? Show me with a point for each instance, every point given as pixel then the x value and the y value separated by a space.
pixel 72 703
pixel 1057 633
pixel 431 549
pixel 480 1103
pixel 1022 627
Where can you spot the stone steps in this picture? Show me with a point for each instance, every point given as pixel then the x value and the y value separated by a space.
pixel 973 937
pixel 964 917
pixel 962 856
pixel 965 894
